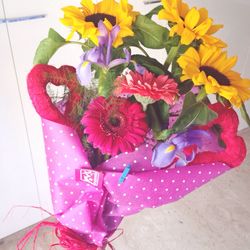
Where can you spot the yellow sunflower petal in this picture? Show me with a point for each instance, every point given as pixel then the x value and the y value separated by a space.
pixel 202 28
pixel 192 18
pixel 187 36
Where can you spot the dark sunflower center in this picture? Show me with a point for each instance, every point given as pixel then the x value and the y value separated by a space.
pixel 95 18
pixel 219 77
pixel 115 121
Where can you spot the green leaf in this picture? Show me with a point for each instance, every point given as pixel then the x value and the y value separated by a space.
pixel 163 111
pixel 151 64
pixel 244 114
pixel 149 33
pixel 164 134
pixel 48 47
pixel 185 87
pixel 154 11
pixel 88 45
pixel 196 114
pixel 55 36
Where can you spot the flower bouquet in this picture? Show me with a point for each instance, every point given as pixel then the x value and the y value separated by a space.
pixel 126 131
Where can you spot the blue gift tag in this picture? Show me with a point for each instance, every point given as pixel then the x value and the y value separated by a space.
pixel 124 174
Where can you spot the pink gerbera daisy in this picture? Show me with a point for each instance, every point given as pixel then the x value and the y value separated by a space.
pixel 160 87
pixel 114 125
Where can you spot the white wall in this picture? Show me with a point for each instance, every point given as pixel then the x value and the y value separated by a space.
pixel 23 176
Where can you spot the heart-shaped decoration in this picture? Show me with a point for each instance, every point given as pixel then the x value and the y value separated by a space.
pixel 234 151
pixel 38 79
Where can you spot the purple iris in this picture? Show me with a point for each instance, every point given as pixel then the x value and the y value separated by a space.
pixel 165 153
pixel 101 55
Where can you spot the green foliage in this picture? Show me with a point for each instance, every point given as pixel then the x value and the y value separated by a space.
pixel 48 47
pixel 154 11
pixel 149 33
pixel 151 64
pixel 88 45
pixel 244 114
pixel 193 113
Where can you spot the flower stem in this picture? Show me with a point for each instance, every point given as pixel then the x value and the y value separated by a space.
pixel 171 55
pixel 105 84
pixel 154 120
pixel 244 114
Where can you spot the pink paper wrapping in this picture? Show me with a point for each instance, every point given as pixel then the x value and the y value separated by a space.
pixel 95 206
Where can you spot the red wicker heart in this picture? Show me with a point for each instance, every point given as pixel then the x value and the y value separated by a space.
pixel 37 81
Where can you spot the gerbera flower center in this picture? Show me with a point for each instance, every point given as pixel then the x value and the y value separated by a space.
pixel 96 18
pixel 218 76
pixel 115 121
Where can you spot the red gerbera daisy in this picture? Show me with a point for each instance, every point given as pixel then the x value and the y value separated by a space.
pixel 160 87
pixel 114 125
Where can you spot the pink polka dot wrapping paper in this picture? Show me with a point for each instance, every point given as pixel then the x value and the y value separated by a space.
pixel 94 206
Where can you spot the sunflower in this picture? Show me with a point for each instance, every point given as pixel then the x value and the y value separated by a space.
pixel 190 24
pixel 211 67
pixel 85 19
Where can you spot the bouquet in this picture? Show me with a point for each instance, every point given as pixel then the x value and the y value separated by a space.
pixel 125 131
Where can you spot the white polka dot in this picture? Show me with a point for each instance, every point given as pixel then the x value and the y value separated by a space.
pixel 124 194
pixel 166 189
pixel 178 171
pixel 73 147
pixel 60 131
pixel 166 171
pixel 73 219
pixel 55 184
pixel 50 128
pixel 48 148
pixel 219 172
pixel 155 189
pixel 138 179
pixel 114 168
pixel 75 159
pixel 86 163
pixel 135 161
pixel 113 175
pixel 68 168
pixel 187 189
pixel 141 205
pixel 203 180
pixel 146 145
pixel 213 163
pixel 56 152
pixel 160 198
pixel 59 164
pixel 183 181
pixel 143 169
pixel 77 184
pixel 145 158
pixel 143 188
pixel 162 181
pixel 209 172
pixel 61 193
pixel 66 202
pixel 170 198
pixel 199 172
pixel 150 180
pixel 116 156
pixel 71 134
pixel 149 198
pixel 126 153
pixel 189 172
pixel 50 160
pixel 62 143
pixel 131 187
pixel 173 181
pixel 55 201
pixel 53 172
pixel 128 208
pixel 194 181
pixel 71 192
pixel 136 149
pixel 61 176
